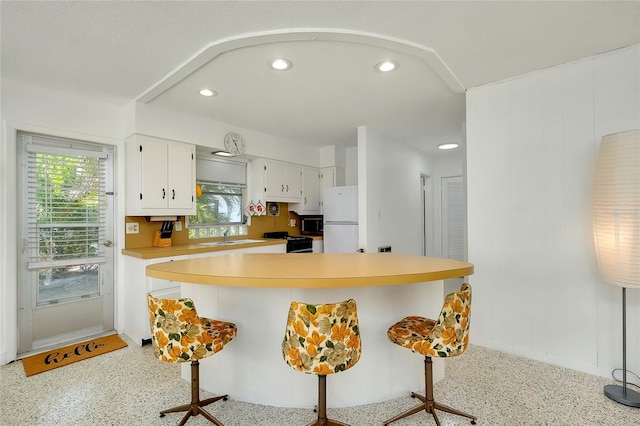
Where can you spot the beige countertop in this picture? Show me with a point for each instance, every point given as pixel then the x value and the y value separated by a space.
pixel 186 249
pixel 310 270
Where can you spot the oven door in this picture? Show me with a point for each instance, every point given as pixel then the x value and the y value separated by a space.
pixel 300 245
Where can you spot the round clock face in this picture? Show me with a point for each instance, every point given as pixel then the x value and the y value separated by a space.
pixel 234 143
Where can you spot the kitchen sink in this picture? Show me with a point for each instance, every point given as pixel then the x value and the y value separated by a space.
pixel 231 242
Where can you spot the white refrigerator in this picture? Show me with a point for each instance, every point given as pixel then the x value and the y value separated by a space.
pixel 340 210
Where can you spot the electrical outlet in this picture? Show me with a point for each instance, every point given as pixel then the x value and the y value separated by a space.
pixel 292 223
pixel 177 226
pixel 132 228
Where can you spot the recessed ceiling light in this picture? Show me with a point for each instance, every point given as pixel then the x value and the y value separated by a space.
pixel 222 153
pixel 448 146
pixel 280 64
pixel 386 66
pixel 207 92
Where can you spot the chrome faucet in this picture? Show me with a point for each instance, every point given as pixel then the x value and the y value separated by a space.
pixel 225 236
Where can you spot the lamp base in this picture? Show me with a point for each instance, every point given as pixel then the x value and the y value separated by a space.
pixel 623 396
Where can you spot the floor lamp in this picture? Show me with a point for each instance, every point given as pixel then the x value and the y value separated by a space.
pixel 616 230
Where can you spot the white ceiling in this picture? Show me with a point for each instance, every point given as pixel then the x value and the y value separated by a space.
pixel 164 52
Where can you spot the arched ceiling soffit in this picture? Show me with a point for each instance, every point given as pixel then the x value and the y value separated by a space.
pixel 214 49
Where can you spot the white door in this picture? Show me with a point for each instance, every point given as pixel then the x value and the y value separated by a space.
pixel 453 225
pixel 426 201
pixel 65 273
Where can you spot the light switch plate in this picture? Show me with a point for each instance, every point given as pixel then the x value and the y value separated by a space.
pixel 177 226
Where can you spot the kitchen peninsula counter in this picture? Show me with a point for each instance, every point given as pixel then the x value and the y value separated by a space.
pixel 310 270
pixel 254 291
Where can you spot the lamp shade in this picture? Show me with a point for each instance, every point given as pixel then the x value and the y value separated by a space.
pixel 616 208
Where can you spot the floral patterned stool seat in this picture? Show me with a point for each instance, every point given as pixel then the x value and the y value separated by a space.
pixel 322 340
pixel 178 334
pixel 446 337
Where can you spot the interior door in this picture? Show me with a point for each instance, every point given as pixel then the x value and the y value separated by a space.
pixel 453 225
pixel 65 271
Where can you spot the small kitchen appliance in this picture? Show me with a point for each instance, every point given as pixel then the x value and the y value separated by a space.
pixel 311 225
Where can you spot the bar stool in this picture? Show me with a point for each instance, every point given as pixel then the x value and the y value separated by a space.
pixel 446 337
pixel 178 334
pixel 322 340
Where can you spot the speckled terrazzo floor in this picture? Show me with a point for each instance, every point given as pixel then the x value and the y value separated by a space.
pixel 129 386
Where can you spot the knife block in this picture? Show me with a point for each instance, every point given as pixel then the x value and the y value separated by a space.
pixel 161 242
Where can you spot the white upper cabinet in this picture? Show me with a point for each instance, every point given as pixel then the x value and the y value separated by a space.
pixel 160 177
pixel 310 202
pixel 276 181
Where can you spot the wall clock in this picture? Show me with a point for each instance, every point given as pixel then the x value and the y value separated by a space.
pixel 234 143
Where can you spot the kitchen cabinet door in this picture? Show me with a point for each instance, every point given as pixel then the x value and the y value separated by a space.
pixel 276 181
pixel 273 180
pixel 154 157
pixel 310 202
pixel 293 181
pixel 181 176
pixel 160 177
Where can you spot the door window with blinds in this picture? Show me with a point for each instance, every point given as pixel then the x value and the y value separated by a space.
pixel 66 219
pixel 219 199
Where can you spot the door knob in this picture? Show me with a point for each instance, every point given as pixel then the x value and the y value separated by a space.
pixel 108 243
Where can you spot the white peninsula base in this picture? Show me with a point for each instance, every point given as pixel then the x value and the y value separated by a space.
pixel 250 368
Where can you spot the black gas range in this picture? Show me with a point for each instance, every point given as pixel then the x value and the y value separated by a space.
pixel 295 244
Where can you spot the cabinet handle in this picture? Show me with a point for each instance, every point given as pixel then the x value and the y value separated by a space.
pixel 305 200
pixel 282 190
pixel 164 194
pixel 287 188
pixel 173 194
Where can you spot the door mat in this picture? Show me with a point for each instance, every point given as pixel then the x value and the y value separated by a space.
pixel 69 354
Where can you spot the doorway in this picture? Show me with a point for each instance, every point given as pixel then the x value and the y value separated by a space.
pixel 65 233
pixel 453 206
pixel 426 202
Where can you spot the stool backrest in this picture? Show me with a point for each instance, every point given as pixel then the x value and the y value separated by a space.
pixel 177 333
pixel 450 335
pixel 322 339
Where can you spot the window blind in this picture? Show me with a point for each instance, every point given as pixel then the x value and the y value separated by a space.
pixel 221 172
pixel 66 217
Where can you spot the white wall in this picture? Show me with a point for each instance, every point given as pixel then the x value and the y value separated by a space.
pixel 389 189
pixel 164 123
pixel 531 147
pixel 351 170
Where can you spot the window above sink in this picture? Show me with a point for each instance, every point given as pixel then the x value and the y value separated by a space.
pixel 220 192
